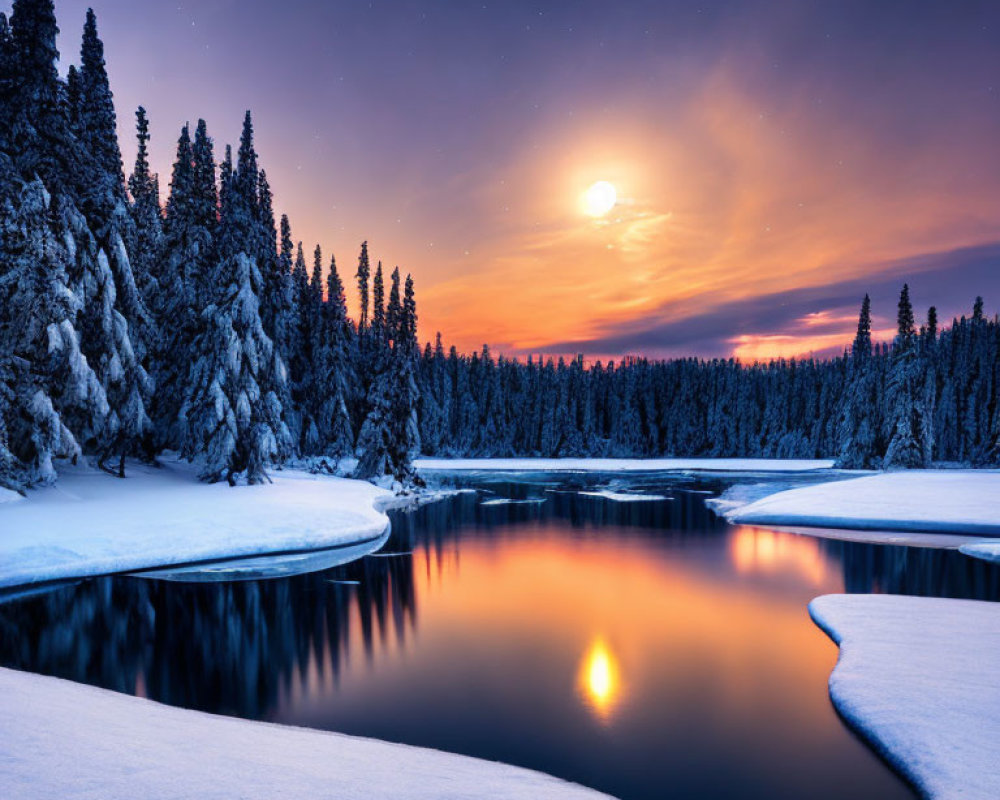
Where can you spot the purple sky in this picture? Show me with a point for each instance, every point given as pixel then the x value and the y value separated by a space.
pixel 773 160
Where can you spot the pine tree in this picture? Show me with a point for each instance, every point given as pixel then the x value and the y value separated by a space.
pixel 334 384
pixel 378 306
pixel 146 214
pixel 232 411
pixel 46 380
pixel 908 446
pixel 363 274
pixel 97 129
pixel 858 441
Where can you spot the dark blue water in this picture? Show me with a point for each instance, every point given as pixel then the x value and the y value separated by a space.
pixel 647 649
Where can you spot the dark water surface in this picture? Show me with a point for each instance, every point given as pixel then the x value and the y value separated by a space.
pixel 647 649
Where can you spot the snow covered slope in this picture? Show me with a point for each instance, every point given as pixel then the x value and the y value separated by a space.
pixel 920 679
pixel 90 523
pixel 953 501
pixel 621 464
pixel 64 740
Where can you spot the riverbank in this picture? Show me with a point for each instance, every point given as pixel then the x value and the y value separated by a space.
pixel 920 679
pixel 90 523
pixel 709 465
pixel 916 501
pixel 66 740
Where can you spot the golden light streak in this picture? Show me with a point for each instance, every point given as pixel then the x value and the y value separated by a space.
pixel 599 680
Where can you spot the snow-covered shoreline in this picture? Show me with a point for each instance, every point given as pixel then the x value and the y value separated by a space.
pixel 713 465
pixel 118 746
pixel 924 501
pixel 920 679
pixel 89 523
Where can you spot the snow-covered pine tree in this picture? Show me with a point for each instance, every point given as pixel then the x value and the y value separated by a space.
pixel 378 307
pixel 362 275
pixel 907 446
pixel 46 378
pixel 409 399
pixel 857 430
pixel 375 441
pixel 104 182
pixel 234 419
pixel 147 216
pixel 303 367
pixel 334 383
pixel 390 437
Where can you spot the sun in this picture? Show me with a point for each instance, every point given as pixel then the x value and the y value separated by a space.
pixel 599 199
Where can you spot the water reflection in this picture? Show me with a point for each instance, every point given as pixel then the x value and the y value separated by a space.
pixel 599 681
pixel 629 646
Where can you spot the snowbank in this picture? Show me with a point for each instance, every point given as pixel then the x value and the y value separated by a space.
pixel 920 678
pixel 626 497
pixel 7 496
pixel 65 740
pixel 620 464
pixel 942 501
pixel 987 551
pixel 90 523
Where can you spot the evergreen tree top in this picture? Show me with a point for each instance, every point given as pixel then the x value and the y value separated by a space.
pixel 287 247
pixel 862 347
pixel 98 127
pixel 205 193
pixel 181 181
pixel 34 31
pixel 394 310
pixel 316 281
pixel 410 315
pixel 904 317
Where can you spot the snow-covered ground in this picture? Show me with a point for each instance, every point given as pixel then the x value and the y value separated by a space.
pixel 920 678
pixel 937 501
pixel 90 523
pixel 987 551
pixel 64 740
pixel 723 465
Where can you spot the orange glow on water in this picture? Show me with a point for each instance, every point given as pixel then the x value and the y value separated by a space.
pixel 765 551
pixel 599 682
pixel 611 616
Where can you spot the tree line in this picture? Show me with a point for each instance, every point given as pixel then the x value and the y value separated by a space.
pixel 930 396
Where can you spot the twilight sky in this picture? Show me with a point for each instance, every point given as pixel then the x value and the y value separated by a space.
pixel 773 159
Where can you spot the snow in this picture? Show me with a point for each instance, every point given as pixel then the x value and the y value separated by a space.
pixel 920 679
pixel 7 496
pixel 507 501
pixel 625 497
pixel 936 501
pixel 90 523
pixel 621 464
pixel 987 551
pixel 60 739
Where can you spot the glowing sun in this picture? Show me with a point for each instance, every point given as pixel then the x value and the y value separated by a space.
pixel 599 199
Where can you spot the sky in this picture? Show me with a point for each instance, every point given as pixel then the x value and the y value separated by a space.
pixel 773 159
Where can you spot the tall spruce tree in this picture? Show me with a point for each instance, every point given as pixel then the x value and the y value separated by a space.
pixel 857 430
pixel 105 182
pixel 147 216
pixel 908 415
pixel 232 411
pixel 337 373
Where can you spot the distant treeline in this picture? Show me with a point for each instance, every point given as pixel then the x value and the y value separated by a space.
pixel 930 396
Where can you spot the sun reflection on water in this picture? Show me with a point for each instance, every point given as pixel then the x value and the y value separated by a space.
pixel 599 679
